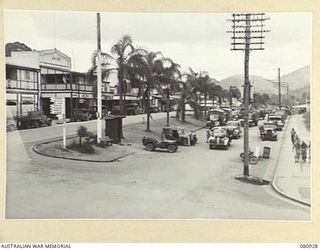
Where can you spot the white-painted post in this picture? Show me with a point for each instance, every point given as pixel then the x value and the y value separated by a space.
pixel 99 82
pixel 99 101
pixel 64 122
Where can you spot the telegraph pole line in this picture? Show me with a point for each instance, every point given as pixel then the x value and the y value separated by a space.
pixel 279 86
pixel 247 35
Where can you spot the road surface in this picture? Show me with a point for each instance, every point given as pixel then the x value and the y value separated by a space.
pixel 194 183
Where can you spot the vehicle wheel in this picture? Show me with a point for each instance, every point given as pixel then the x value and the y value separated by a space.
pixel 36 124
pixel 149 147
pixel 185 142
pixel 49 123
pixel 253 160
pixel 242 155
pixel 172 148
pixel 210 147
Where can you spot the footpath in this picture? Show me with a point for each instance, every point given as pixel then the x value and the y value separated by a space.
pixel 293 180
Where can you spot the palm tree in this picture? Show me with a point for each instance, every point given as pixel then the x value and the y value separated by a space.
pixel 123 49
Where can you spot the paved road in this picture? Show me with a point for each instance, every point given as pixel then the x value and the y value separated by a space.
pixel 195 183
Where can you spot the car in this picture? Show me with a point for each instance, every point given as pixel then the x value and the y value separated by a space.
pixel 132 109
pixel 219 138
pixel 152 143
pixel 154 109
pixel 180 135
pixel 268 131
pixel 276 120
pixel 234 128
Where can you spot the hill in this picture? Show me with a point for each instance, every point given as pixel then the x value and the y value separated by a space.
pixel 260 84
pixel 298 80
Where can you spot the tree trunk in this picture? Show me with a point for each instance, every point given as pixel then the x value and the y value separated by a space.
pixel 205 104
pixel 148 106
pixel 183 114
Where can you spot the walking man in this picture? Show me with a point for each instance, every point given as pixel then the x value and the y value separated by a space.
pixel 208 134
pixel 296 147
pixel 303 147
pixel 293 135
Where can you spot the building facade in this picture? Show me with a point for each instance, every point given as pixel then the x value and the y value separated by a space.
pixel 34 79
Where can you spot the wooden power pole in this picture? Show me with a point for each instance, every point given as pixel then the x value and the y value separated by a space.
pixel 247 35
pixel 279 86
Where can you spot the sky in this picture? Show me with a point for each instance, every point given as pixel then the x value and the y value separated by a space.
pixel 196 40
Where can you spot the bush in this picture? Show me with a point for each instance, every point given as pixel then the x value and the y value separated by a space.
pixel 82 132
pixel 82 148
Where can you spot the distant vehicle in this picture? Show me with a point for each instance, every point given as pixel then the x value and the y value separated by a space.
pixel 154 109
pixel 132 109
pixel 219 138
pixel 276 120
pixel 234 128
pixel 34 119
pixel 286 109
pixel 216 117
pixel 263 113
pixel 268 131
pixel 151 144
pixel 180 135
pixel 83 115
pixel 11 124
pixel 254 118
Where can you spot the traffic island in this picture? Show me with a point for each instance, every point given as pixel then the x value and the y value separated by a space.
pixel 252 179
pixel 90 153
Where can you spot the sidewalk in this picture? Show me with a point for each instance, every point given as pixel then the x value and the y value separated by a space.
pixel 293 179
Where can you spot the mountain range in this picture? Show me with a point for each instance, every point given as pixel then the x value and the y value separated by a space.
pixel 298 80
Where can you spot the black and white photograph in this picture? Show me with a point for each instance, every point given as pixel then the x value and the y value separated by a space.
pixel 162 116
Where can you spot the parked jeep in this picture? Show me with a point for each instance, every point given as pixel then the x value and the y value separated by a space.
pixel 152 143
pixel 180 135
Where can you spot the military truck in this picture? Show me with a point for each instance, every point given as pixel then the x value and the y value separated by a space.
pixel 34 119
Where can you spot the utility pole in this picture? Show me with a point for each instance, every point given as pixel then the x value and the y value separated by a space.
pixel 247 35
pixel 279 86
pixel 99 82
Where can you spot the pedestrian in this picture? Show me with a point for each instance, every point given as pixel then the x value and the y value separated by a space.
pixel 296 139
pixel 296 147
pixel 208 134
pixel 309 151
pixel 293 135
pixel 303 148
